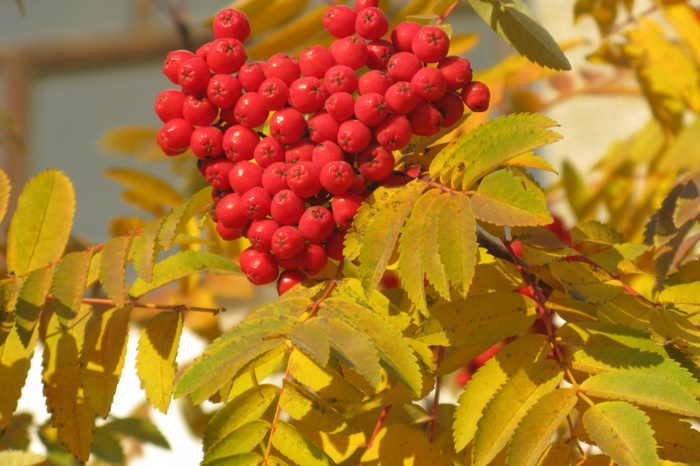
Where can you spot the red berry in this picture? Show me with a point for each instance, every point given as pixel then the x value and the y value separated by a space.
pixel 401 98
pixel 260 234
pixel 403 34
pixel 261 268
pixel 337 177
pixel 193 75
pixel 168 104
pixel 353 136
pixel 402 66
pixel 288 279
pixel 394 133
pixel 256 203
pixel 227 234
pixel 286 208
pixel 350 51
pixel 425 120
pixel 284 67
pixel 226 56
pixel 287 125
pixel 322 127
pixel 203 51
pixel 307 94
pixel 371 109
pixel 303 178
pixel 244 176
pixel 374 81
pixel 198 109
pixel 230 212
pixel 477 96
pixel 315 61
pixel 457 72
pixel 274 94
pixel 429 84
pixel 316 224
pixel 313 259
pixel 249 111
pixel 173 60
pixel 288 264
pixel 340 78
pixel 359 185
pixel 274 178
pixel 325 152
pixel 207 142
pixel 231 23
pixel 287 242
pixel 239 143
pixel 378 53
pixel 451 107
pixel 216 172
pixel 340 106
pixel 175 135
pixel 339 20
pixel 299 151
pixel 334 245
pixel 218 194
pixel 252 75
pixel 268 151
pixel 224 90
pixel 344 207
pixel 375 163
pixel 362 4
pixel 371 23
pixel 430 44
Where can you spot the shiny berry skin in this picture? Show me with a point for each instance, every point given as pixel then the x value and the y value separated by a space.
pixel 403 34
pixel 344 207
pixel 256 203
pixel 322 127
pixel 268 151
pixel 299 151
pixel 362 4
pixel 429 84
pixel 207 142
pixel 244 176
pixel 401 97
pixel 287 242
pixel 261 268
pixel 303 178
pixel 451 107
pixel 378 53
pixel 239 143
pixel 307 94
pixel 287 208
pixel 216 172
pixel 334 245
pixel 402 66
pixel 198 109
pixel 316 224
pixel 230 212
pixel 340 106
pixel 173 60
pixel 193 75
pixel 430 44
pixel 175 135
pixel 284 67
pixel 231 23
pixel 394 133
pixel 375 163
pixel 339 21
pixel 274 94
pixel 325 152
pixel 274 178
pixel 426 119
pixel 371 109
pixel 313 259
pixel 337 177
pixel 226 56
pixel 340 78
pixel 168 104
pixel 224 90
pixel 246 257
pixel 288 264
pixel 371 23
pixel 315 61
pixel 359 185
pixel 457 72
pixel 353 136
pixel 288 279
pixel 287 125
pixel 477 96
pixel 249 111
pixel 374 81
pixel 203 51
pixel 251 76
pixel 227 234
pixel 350 51
pixel 260 234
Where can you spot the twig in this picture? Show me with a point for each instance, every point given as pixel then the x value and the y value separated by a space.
pixel 163 307
pixel 378 426
pixel 447 13
pixel 436 399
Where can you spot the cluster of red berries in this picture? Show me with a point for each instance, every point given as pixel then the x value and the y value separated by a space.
pixel 330 134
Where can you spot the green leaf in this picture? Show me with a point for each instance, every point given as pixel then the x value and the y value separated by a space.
pixel 491 145
pixel 5 188
pixel 184 264
pixel 146 185
pixel 311 410
pixel 144 250
pixel 41 225
pixel 644 389
pixel 174 222
pixel 351 347
pixel 376 227
pixel 294 446
pixel 227 355
pixel 247 407
pixel 539 425
pixel 258 369
pixel 478 319
pixel 242 440
pixel 519 27
pixel 394 351
pixel 489 379
pixel 113 268
pixel 107 447
pixel 69 285
pixel 622 432
pixel 457 242
pixel 241 459
pixel 503 199
pixel 509 405
pixel 311 340
pixel 143 430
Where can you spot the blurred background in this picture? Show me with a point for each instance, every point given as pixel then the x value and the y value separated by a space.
pixel 71 71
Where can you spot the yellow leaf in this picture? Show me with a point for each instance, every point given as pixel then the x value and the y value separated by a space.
pixel 457 244
pixel 294 446
pixel 15 360
pixel 258 370
pixel 313 411
pixel 559 453
pixel 129 139
pixel 326 381
pixel 289 36
pixel 685 22
pixel 113 268
pixel 146 185
pixel 338 447
pixel 4 193
pixel 242 440
pixel 155 361
pixel 676 439
pixel 275 13
pixel 429 248
pixel 398 444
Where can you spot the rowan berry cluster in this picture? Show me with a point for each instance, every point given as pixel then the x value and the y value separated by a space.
pixel 292 146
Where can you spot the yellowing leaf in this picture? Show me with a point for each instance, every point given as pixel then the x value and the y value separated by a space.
pixel 585 282
pixel 113 268
pixel 675 438
pixel 102 358
pixel 32 297
pixel 687 293
pixel 129 139
pixel 622 432
pixel 242 440
pixel 669 327
pixel 259 369
pixel 69 285
pixel 298 449
pixel 4 193
pixel 275 13
pixel 147 185
pixel 174 222
pixel 289 36
pixel 503 199
pixel 558 453
pixel 325 381
pixel 591 334
pixel 644 389
pixel 457 242
pixel 40 227
pixel 156 358
pixel 21 458
pixel 685 22
pixel 247 407
pixel 489 379
pixel 313 411
pixel 510 404
pixel 15 361
pixel 399 444
pixel 530 160
pixel 537 428
pixel 429 248
pixel 309 339
pixel 338 447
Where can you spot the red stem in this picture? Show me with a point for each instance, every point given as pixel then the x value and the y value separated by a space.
pixel 378 427
pixel 436 399
pixel 447 13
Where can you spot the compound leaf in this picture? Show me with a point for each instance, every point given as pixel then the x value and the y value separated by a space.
pixel 145 249
pixel 429 248
pixel 457 242
pixel 113 268
pixel 40 227
pixel 294 446
pixel 69 285
pixel 622 432
pixel 156 355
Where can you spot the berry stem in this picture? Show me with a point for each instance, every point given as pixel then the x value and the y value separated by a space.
pixel 447 13
pixel 378 426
